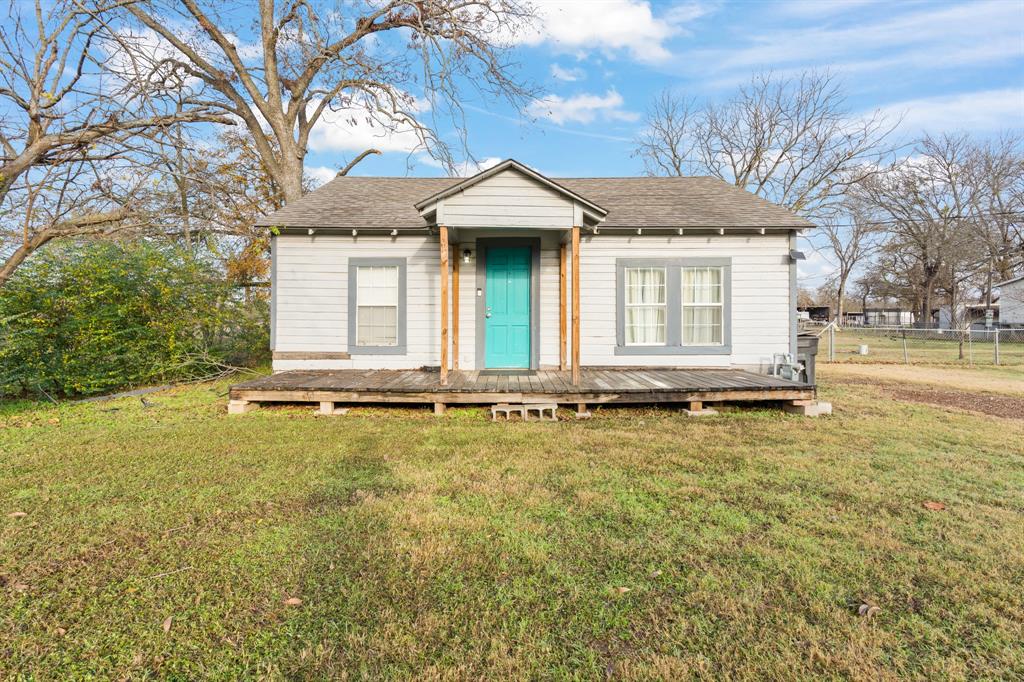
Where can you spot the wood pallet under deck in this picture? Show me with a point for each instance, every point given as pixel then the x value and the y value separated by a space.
pixel 598 386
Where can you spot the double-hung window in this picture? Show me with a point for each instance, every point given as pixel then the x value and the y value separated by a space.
pixel 376 305
pixel 673 306
pixel 702 306
pixel 646 306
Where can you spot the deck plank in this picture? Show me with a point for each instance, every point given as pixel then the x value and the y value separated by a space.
pixel 627 384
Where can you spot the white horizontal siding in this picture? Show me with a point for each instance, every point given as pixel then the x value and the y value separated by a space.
pixel 311 295
pixel 760 296
pixel 548 294
pixel 508 199
pixel 1011 303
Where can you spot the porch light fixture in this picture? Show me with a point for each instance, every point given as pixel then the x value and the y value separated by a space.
pixel 721 230
pixel 639 230
pixel 394 233
pixel 311 231
pixel 355 232
pixel 466 255
pixel 680 232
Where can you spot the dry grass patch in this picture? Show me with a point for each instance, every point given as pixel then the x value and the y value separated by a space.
pixel 1006 380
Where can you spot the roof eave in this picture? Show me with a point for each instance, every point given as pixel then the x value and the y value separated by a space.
pixel 494 170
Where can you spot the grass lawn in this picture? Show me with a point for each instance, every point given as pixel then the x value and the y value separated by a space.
pixel 166 541
pixel 1003 380
pixel 924 347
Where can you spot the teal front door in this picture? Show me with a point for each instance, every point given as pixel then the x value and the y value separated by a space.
pixel 507 307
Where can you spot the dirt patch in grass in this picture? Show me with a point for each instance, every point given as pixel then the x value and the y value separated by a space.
pixel 1005 380
pixel 992 404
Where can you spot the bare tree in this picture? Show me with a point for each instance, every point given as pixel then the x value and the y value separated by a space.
pixel 928 203
pixel 852 243
pixel 668 141
pixel 394 65
pixel 999 170
pixel 60 122
pixel 790 140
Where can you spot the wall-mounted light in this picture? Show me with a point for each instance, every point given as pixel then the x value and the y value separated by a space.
pixel 355 232
pixel 311 231
pixel 680 232
pixel 466 255
pixel 721 230
pixel 639 231
pixel 394 233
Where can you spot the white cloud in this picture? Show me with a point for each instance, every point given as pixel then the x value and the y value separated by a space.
pixel 983 111
pixel 468 168
pixel 133 55
pixel 612 25
pixel 355 129
pixel 321 174
pixel 568 74
pixel 584 108
pixel 245 50
pixel 956 35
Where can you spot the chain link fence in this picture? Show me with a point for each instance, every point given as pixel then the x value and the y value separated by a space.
pixel 911 345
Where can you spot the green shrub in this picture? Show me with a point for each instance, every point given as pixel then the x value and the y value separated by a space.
pixel 98 316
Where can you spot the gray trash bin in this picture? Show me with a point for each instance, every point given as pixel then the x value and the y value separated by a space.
pixel 806 351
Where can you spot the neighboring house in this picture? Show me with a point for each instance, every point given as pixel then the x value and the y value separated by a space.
pixel 879 317
pixel 672 272
pixel 1011 302
pixel 977 316
pixel 888 317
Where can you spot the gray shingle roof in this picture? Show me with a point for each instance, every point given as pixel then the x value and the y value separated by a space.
pixel 362 202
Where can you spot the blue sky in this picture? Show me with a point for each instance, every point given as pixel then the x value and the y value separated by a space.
pixel 942 65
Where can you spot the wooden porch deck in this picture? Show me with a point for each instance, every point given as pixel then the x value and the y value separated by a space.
pixel 598 386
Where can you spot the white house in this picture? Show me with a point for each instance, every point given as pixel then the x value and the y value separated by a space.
pixel 512 271
pixel 1011 302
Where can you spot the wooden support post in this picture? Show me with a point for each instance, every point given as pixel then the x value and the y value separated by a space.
pixel 575 305
pixel 443 233
pixel 562 308
pixel 455 308
pixel 439 408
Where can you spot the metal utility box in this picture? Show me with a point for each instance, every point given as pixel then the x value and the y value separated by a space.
pixel 806 351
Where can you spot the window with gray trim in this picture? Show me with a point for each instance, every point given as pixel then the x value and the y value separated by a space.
pixel 703 305
pixel 376 306
pixel 673 306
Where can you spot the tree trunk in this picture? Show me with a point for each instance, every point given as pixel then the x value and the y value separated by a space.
pixel 92 223
pixel 926 299
pixel 841 296
pixel 19 255
pixel 292 169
